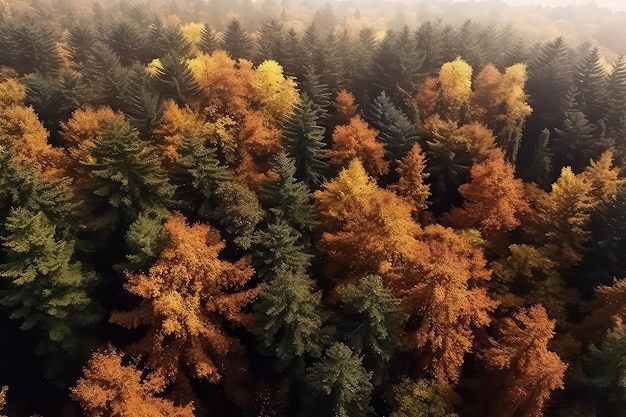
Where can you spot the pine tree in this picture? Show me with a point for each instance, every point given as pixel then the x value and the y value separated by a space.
pixel 340 375
pixel 589 78
pixel 615 112
pixel 396 131
pixel 48 292
pixel 141 105
pixel 209 40
pixel 145 239
pixel 271 42
pixel 289 320
pixel 80 41
pixel 371 323
pixel 287 197
pixel 428 39
pixel 127 41
pixel 304 138
pixel 120 177
pixel 174 80
pixel 237 42
pixel 319 92
pixel 540 170
pixel 107 76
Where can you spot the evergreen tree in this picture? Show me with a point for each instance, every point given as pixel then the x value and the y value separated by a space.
pixel 127 41
pixel 121 177
pixel 589 78
pixel 470 45
pixel 419 399
pixel 615 112
pixel 107 77
pixel 605 370
pixel 317 91
pixel 174 80
pixel 30 48
pixel 278 248
pixel 289 320
pixel 341 377
pixel 238 212
pixel 371 323
pixel 145 239
pixel 209 41
pixel 48 291
pixel 237 42
pixel 80 40
pixel 271 42
pixel 396 131
pixel 429 41
pixel 141 105
pixel 540 170
pixel 289 198
pixel 293 54
pixel 304 138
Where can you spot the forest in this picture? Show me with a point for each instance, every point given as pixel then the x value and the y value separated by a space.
pixel 273 209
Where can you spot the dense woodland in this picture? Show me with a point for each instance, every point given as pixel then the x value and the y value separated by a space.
pixel 209 210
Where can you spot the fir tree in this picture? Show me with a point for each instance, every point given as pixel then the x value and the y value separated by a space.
pixel 304 138
pixel 237 42
pixel 317 91
pixel 80 40
pixel 616 99
pixel 271 42
pixel 209 41
pixel 107 77
pixel 174 80
pixel 590 78
pixel 127 41
pixel 341 377
pixel 48 291
pixel 142 105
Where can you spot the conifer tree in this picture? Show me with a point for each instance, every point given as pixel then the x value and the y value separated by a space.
pixel 127 41
pixel 209 40
pixel 80 40
pixel 48 290
pixel 107 76
pixel 590 77
pixel 287 197
pixel 540 169
pixel 271 42
pixel 141 104
pixel 395 129
pixel 289 322
pixel 341 377
pixel 304 138
pixel 237 42
pixel 419 398
pixel 238 212
pixel 371 323
pixel 145 239
pixel 616 101
pixel 120 177
pixel 174 80
pixel 317 91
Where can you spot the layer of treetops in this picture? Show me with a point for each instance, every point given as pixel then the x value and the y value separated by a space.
pixel 199 219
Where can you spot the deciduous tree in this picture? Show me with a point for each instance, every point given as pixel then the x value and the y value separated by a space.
pixel 358 140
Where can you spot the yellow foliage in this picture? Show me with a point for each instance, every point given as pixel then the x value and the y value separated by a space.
pixel 3 393
pixel 455 79
pixel 511 91
pixel 603 177
pixel 155 67
pixel 276 94
pixel 83 127
pixel 12 93
pixel 193 33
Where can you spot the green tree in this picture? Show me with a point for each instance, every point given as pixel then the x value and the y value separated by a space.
pixel 174 80
pixel 288 319
pixel 271 42
pixel 238 212
pixel 341 377
pixel 145 239
pixel 371 323
pixel 289 198
pixel 418 399
pixel 237 42
pixel 107 77
pixel 127 40
pixel 209 40
pixel 590 78
pixel 48 290
pixel 141 104
pixel 615 112
pixel 120 177
pixel 304 138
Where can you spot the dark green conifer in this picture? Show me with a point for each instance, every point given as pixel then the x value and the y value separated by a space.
pixel 271 42
pixel 615 112
pixel 175 80
pixel 128 41
pixel 142 104
pixel 237 42
pixel 304 138
pixel 340 377
pixel 107 77
pixel 590 79
pixel 238 212
pixel 209 40
pixel 80 39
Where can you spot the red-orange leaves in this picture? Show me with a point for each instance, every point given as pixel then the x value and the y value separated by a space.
pixel 186 296
pixel 111 389
pixel 358 140
pixel 531 370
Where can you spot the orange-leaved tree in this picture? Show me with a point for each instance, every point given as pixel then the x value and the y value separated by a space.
pixel 358 140
pixel 529 371
pixel 411 185
pixel 110 388
pixel 186 298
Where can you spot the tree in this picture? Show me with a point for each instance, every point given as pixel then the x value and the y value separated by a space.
pixel 396 131
pixel 107 77
pixel 288 318
pixel 418 399
pixel 494 199
pixel 238 211
pixel 275 94
pixel 455 80
pixel 108 387
pixel 412 184
pixel 175 80
pixel 531 371
pixel 209 40
pixel 357 140
pixel 608 310
pixel 371 323
pixel 271 41
pixel 590 77
pixel 145 239
pixel 603 177
pixel 444 288
pixel 3 392
pixel 345 108
pixel 304 138
pixel 126 40
pixel 48 290
pixel 341 376
pixel 287 197
pixel 186 298
pixel 120 176
pixel 615 101
pixel 237 42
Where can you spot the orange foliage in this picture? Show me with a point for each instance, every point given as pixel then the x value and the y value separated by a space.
pixel 603 177
pixel 443 287
pixel 427 97
pixel 532 372
pixel 346 108
pixel 477 140
pixel 494 200
pixel 484 98
pixel 358 140
pixel 22 131
pixel 174 125
pixel 83 127
pixel 111 389
pixel 608 310
pixel 411 185
pixel 366 229
pixel 186 296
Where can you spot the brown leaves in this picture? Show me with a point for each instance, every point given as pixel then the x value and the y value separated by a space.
pixel 358 140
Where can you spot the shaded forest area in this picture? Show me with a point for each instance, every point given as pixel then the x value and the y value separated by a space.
pixel 217 208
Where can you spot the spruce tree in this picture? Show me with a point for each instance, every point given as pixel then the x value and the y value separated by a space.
pixel 175 80
pixel 288 319
pixel 141 105
pixel 371 323
pixel 319 92
pixel 540 170
pixel 121 177
pixel 271 42
pixel 48 291
pixel 341 377
pixel 107 76
pixel 209 40
pixel 615 112
pixel 127 41
pixel 80 39
pixel 590 78
pixel 289 198
pixel 395 129
pixel 304 138
pixel 237 42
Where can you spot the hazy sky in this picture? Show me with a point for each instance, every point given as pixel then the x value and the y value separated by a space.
pixel 616 5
